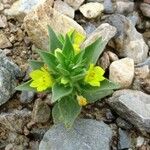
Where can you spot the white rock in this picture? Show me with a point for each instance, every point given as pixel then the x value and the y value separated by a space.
pixel 3 21
pixel 36 24
pixel 91 10
pixel 74 3
pixel 64 8
pixel 122 72
pixel 21 8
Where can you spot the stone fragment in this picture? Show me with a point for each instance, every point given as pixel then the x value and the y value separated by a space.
pixel 133 106
pixel 64 8
pixel 104 61
pixel 112 56
pixel 124 140
pixel 21 8
pixel 108 7
pixel 128 42
pixel 145 8
pixel 26 96
pixel 1 7
pixel 122 72
pixel 3 21
pixel 4 42
pixel 86 134
pixel 105 31
pixel 74 3
pixel 91 10
pixel 142 77
pixel 16 120
pixel 8 74
pixel 36 24
pixel 41 112
pixel 123 7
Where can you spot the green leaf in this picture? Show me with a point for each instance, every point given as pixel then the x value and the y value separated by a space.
pixel 61 58
pixel 69 110
pixel 95 93
pixel 93 51
pixel 63 71
pixel 25 87
pixel 56 114
pixel 36 64
pixel 49 59
pixel 59 91
pixel 68 49
pixel 53 40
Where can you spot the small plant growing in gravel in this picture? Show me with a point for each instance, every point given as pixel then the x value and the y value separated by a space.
pixel 70 73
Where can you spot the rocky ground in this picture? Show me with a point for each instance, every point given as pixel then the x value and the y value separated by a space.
pixel 123 119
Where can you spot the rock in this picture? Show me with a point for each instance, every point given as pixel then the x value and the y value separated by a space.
pixel 128 42
pixel 14 147
pixel 36 24
pixel 133 106
pixel 74 3
pixel 18 139
pixel 108 7
pixel 146 62
pixel 145 8
pixel 64 8
pixel 3 21
pixel 122 72
pixel 139 141
pixel 104 61
pixel 124 140
pixel 21 8
pixel 26 96
pixel 91 10
pixel 142 78
pixel 4 42
pixel 134 18
pixel 16 120
pixel 89 28
pixel 147 1
pixel 123 7
pixel 86 134
pixel 1 7
pixel 41 112
pixel 112 56
pixel 124 124
pixel 105 31
pixel 8 74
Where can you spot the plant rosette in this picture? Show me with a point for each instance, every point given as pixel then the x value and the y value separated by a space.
pixel 70 73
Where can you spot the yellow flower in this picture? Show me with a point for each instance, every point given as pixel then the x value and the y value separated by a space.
pixel 81 100
pixel 78 39
pixel 94 75
pixel 41 79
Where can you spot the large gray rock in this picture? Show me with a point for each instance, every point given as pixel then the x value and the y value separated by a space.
pixel 86 134
pixel 133 106
pixel 36 24
pixel 105 31
pixel 8 74
pixel 21 8
pixel 128 42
